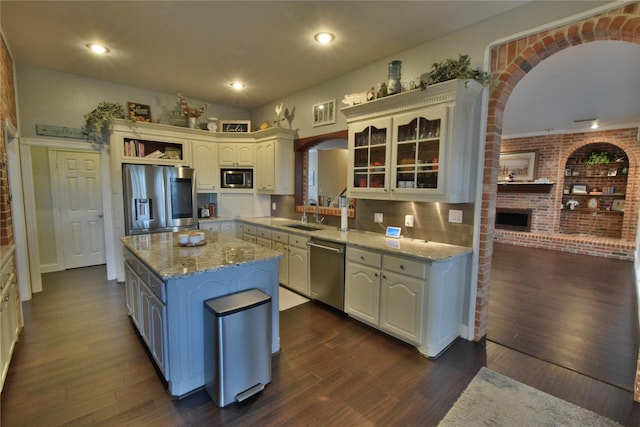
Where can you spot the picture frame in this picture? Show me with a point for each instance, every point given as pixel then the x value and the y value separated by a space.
pixel 579 189
pixel 612 172
pixel 617 205
pixel 567 172
pixel 237 126
pixel 521 165
pixel 324 113
pixel 139 112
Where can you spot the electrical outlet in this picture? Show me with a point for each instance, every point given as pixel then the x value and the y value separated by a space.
pixel 273 206
pixel 377 217
pixel 408 220
pixel 455 216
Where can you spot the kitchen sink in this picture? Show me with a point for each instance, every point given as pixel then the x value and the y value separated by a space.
pixel 303 227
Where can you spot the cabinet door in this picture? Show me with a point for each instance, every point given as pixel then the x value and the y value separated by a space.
pixel 283 273
pixel 265 166
pixel 369 158
pixel 244 155
pixel 362 292
pixel 228 228
pixel 145 315
pixel 418 153
pixel 205 162
pixel 209 225
pixel 226 155
pixel 401 307
pixel 299 269
pixel 157 318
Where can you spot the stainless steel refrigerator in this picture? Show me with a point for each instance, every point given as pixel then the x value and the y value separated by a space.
pixel 158 198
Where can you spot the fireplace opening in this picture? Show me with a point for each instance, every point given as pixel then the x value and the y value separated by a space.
pixel 513 219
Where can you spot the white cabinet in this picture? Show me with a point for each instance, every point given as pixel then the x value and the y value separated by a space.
pixel 145 296
pixel 299 264
pixel 249 233
pixel 280 243
pixel 10 313
pixel 275 163
pixel 205 162
pixel 418 145
pixel 362 286
pixel 386 292
pixel 263 237
pixel 236 154
pixel 369 156
pixel 403 289
pixel 417 301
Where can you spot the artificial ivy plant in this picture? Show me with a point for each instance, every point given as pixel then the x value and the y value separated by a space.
pixel 456 69
pixel 96 120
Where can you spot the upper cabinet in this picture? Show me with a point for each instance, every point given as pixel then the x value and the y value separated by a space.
pixel 275 162
pixel 236 154
pixel 417 145
pixel 205 162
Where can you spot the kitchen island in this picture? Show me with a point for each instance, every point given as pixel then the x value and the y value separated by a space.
pixel 166 285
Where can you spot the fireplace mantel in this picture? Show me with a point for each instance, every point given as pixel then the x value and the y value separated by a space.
pixel 525 187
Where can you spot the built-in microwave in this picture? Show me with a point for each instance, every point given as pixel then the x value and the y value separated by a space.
pixel 236 178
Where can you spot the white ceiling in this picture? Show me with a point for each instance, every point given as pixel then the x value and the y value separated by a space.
pixel 599 80
pixel 198 47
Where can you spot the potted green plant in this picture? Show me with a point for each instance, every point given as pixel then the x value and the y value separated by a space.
pixel 597 160
pixel 455 69
pixel 96 120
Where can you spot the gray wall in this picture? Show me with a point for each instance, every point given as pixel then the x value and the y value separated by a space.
pixel 50 97
pixel 472 40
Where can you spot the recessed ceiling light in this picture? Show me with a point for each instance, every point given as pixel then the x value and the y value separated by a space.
pixel 98 48
pixel 324 37
pixel 237 85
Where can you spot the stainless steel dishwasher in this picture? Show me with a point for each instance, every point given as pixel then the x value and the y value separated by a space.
pixel 327 272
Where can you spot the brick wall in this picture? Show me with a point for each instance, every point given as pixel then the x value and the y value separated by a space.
pixel 7 111
pixel 510 62
pixel 554 154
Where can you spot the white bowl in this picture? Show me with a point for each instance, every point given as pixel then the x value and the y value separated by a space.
pixel 183 238
pixel 194 239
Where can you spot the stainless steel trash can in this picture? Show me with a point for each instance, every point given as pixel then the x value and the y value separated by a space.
pixel 237 346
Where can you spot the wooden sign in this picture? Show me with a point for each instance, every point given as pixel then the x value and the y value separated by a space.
pixel 60 131
pixel 235 125
pixel 139 112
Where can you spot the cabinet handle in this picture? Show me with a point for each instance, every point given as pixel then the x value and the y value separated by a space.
pixel 384 277
pixel 375 274
pixel 361 257
pixel 401 267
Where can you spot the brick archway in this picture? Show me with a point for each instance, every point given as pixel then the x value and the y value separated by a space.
pixel 510 62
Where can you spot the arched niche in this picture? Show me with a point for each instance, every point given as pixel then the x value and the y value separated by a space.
pixel 594 191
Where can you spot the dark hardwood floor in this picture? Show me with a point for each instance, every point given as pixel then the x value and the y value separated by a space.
pixel 576 311
pixel 79 362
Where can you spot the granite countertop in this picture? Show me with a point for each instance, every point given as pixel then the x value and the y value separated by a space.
pixel 430 251
pixel 162 253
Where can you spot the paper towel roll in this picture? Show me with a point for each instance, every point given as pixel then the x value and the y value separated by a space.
pixel 344 224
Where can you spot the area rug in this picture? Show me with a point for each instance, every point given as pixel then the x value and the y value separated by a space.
pixel 491 399
pixel 290 299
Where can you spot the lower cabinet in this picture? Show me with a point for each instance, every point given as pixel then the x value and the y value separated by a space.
pixel 10 314
pixel 143 291
pixel 299 264
pixel 224 228
pixel 280 243
pixel 419 302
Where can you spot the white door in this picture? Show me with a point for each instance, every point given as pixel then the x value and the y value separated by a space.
pixel 80 204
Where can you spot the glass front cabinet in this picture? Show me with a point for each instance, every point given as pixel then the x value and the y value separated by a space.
pixel 418 145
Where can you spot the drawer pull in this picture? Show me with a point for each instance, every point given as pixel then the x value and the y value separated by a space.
pixel 401 267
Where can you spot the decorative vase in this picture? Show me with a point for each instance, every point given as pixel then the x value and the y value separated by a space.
pixel 393 84
pixel 192 122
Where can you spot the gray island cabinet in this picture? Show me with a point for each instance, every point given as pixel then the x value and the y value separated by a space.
pixel 166 285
